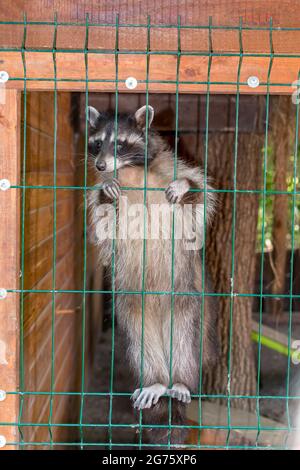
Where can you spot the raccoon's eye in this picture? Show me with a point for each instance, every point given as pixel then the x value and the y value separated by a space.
pixel 119 146
pixel 98 145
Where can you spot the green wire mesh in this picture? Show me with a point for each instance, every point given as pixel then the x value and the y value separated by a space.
pixel 263 193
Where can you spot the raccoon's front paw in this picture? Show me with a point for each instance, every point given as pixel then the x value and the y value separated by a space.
pixel 181 392
pixel 176 190
pixel 111 188
pixel 147 396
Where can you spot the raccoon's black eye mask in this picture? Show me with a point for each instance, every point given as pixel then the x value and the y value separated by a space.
pixel 131 129
pixel 122 147
pixel 95 147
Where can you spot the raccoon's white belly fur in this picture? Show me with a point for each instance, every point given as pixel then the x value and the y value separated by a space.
pixel 147 264
pixel 158 269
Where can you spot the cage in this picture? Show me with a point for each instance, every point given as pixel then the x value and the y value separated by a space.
pixel 213 87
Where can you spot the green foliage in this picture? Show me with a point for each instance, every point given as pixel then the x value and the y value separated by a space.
pixel 267 202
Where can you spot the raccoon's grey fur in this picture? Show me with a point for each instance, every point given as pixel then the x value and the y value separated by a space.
pixel 130 258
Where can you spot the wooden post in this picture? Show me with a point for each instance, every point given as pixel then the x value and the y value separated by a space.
pixel 9 261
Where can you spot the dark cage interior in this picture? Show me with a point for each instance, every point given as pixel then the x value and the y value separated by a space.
pixel 71 344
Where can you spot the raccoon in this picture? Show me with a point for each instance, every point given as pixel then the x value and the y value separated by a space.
pixel 160 313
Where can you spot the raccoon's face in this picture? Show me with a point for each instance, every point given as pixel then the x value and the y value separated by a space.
pixel 127 148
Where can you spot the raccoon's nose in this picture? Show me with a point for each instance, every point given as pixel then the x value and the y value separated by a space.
pixel 101 166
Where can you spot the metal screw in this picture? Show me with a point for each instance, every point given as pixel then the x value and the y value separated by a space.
pixel 3 76
pixel 253 81
pixel 3 293
pixel 2 441
pixel 2 395
pixel 131 83
pixel 4 184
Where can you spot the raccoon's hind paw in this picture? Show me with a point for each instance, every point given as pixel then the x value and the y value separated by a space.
pixel 181 392
pixel 176 190
pixel 147 396
pixel 111 188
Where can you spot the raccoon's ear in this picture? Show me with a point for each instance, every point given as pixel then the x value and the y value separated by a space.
pixel 93 116
pixel 140 116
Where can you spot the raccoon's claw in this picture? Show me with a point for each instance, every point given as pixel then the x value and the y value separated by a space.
pixel 147 396
pixel 111 188
pixel 176 190
pixel 181 392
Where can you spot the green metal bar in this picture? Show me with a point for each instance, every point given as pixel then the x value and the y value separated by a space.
pixel 146 446
pixel 173 230
pixel 129 188
pixel 295 176
pixel 144 25
pixel 22 369
pixel 237 103
pixel 52 379
pixel 159 26
pixel 163 82
pixel 161 426
pixel 139 52
pixel 145 228
pixel 83 331
pixel 204 228
pixel 265 164
pixel 113 266
pixel 128 394
pixel 125 292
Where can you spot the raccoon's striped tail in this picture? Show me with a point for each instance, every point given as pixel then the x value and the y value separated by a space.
pixel 159 415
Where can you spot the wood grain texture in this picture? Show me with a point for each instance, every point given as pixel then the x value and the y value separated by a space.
pixel 223 75
pixel 39 325
pixel 284 12
pixel 9 260
pixel 192 69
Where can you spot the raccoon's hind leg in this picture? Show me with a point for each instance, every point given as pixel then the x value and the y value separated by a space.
pixel 145 352
pixel 184 354
pixel 148 396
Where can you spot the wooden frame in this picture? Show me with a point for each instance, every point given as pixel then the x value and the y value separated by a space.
pixel 192 69
pixel 284 12
pixel 253 53
pixel 9 260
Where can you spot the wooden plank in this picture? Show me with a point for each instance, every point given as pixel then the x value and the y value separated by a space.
pixel 35 303
pixel 214 414
pixel 41 221
pixel 38 261
pixel 9 260
pixel 40 406
pixel 40 147
pixel 38 256
pixel 37 409
pixel 46 179
pixel 39 366
pixel 192 69
pixel 40 115
pixel 38 199
pixel 283 12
